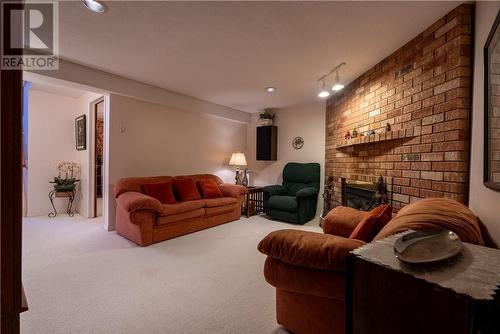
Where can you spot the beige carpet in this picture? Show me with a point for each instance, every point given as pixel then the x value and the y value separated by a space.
pixel 80 279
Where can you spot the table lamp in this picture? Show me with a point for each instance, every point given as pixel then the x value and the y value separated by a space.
pixel 238 160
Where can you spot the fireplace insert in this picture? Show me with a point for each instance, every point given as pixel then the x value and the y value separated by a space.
pixel 363 195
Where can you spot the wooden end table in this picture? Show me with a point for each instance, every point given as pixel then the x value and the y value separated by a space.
pixel 385 296
pixel 253 203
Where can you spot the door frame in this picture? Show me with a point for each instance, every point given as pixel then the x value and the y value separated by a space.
pixel 10 200
pixel 92 200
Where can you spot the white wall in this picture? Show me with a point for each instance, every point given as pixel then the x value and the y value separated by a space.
pixel 51 139
pixel 306 121
pixel 147 139
pixel 483 201
pixel 51 128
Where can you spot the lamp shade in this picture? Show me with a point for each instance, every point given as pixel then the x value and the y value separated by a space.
pixel 238 159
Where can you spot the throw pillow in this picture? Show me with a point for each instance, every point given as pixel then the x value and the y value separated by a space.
pixel 185 190
pixel 209 189
pixel 372 223
pixel 342 220
pixel 161 191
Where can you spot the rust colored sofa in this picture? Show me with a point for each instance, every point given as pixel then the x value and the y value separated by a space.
pixel 307 268
pixel 145 220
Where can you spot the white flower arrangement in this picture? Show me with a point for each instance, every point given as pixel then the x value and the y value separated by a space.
pixel 68 168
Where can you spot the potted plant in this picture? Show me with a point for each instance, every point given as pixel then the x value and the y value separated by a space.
pixel 266 117
pixel 66 181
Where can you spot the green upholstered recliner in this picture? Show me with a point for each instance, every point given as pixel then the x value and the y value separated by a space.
pixel 295 200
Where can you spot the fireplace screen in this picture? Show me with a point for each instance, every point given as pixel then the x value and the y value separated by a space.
pixel 363 195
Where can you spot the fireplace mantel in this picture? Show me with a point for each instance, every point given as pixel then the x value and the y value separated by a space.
pixel 375 138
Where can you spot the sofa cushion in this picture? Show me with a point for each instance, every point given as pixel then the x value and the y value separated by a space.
pixel 283 203
pixel 214 202
pixel 342 220
pixel 185 190
pixel 436 213
pixel 200 177
pixel 162 191
pixel 372 223
pixel 163 220
pixel 135 183
pixel 209 211
pixel 174 209
pixel 209 189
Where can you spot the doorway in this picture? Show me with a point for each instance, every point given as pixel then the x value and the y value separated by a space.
pixel 98 156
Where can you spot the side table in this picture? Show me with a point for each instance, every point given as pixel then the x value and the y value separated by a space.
pixel 253 203
pixel 386 296
pixel 70 195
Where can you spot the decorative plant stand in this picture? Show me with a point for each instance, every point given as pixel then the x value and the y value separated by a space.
pixel 70 195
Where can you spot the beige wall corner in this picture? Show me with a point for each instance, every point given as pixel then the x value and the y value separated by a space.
pixel 306 121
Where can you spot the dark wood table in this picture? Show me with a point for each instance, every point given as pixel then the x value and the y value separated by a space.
pixel 385 296
pixel 253 203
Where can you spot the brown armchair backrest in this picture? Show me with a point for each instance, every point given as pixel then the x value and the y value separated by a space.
pixel 436 213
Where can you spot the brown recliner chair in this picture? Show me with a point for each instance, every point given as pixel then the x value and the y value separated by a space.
pixel 308 269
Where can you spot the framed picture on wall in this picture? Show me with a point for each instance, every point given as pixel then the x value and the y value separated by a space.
pixel 81 132
pixel 492 108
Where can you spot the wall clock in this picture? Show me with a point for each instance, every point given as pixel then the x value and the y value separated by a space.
pixel 297 143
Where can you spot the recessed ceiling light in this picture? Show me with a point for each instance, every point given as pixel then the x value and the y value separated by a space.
pixel 270 89
pixel 94 6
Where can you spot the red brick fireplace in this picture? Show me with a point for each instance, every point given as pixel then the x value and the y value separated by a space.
pixel 423 91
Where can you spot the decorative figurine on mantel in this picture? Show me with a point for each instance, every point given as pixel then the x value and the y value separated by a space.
pixel 370 132
pixel 347 135
pixel 387 127
pixel 380 193
pixel 327 199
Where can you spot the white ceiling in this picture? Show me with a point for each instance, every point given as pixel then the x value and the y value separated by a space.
pixel 228 52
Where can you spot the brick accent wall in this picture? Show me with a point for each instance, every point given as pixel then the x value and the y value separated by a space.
pixel 423 91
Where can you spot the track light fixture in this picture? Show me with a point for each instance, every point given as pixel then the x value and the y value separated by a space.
pixel 94 6
pixel 324 92
pixel 337 84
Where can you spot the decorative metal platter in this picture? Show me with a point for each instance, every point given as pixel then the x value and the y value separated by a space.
pixel 427 246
